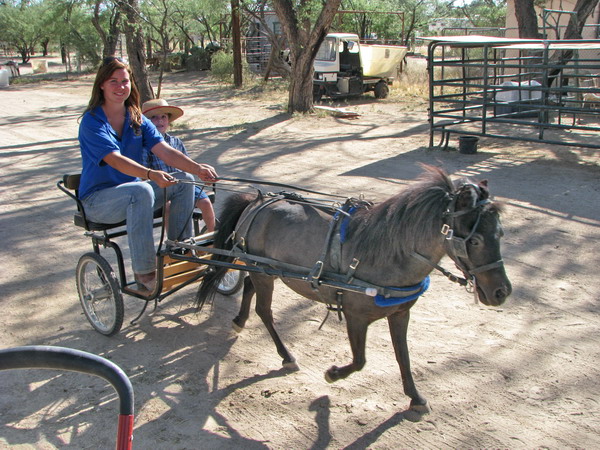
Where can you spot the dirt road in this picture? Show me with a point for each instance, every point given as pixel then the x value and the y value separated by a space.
pixel 525 375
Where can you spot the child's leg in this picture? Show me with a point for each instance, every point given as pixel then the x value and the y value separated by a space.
pixel 208 213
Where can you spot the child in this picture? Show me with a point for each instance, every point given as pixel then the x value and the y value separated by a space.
pixel 162 114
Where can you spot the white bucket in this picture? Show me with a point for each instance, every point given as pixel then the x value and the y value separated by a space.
pixel 4 78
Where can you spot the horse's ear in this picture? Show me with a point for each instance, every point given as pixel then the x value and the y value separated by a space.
pixel 467 198
pixel 485 192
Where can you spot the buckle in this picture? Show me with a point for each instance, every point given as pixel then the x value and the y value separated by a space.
pixel 316 271
pixel 447 231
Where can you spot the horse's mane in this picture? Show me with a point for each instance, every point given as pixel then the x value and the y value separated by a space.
pixel 404 222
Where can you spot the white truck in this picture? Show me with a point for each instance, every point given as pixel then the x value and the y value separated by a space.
pixel 344 67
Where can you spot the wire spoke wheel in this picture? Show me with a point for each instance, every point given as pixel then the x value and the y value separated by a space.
pixel 231 282
pixel 99 294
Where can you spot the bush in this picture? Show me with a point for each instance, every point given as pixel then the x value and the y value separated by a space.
pixel 198 59
pixel 222 67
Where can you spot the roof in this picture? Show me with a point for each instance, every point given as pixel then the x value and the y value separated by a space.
pixel 343 35
pixel 477 39
pixel 517 44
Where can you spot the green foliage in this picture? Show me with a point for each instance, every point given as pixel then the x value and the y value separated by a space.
pixel 384 22
pixel 70 26
pixel 197 59
pixel 21 27
pixel 26 25
pixel 487 13
pixel 222 67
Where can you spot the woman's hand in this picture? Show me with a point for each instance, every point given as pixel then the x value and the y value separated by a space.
pixel 162 179
pixel 177 159
pixel 207 173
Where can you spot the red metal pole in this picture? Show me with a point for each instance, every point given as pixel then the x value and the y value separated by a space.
pixel 125 432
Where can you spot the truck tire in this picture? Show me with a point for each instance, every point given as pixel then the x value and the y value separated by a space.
pixel 317 94
pixel 381 90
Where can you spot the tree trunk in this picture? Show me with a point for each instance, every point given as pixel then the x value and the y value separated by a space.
pixel 304 44
pixel 110 39
pixel 237 43
pixel 583 8
pixel 527 19
pixel 300 97
pixel 136 48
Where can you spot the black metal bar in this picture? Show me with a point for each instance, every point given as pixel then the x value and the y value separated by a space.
pixel 61 358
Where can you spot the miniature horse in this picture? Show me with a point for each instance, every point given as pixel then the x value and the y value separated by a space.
pixel 391 247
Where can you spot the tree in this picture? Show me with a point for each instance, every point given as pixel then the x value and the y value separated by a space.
pixel 21 27
pixel 73 28
pixel 304 41
pixel 583 8
pixel 485 13
pixel 417 15
pixel 528 28
pixel 136 47
pixel 107 12
pixel 203 18
pixel 527 19
pixel 156 17
pixel 381 19
pixel 259 28
pixel 236 43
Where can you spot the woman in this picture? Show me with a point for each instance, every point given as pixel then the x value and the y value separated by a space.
pixel 112 135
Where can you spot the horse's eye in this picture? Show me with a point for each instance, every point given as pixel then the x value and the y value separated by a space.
pixel 474 241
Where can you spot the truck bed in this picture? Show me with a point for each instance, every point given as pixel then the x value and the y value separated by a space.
pixel 381 61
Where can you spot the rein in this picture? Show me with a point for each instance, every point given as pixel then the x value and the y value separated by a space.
pixel 265 183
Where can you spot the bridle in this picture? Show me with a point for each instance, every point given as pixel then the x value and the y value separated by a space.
pixel 456 246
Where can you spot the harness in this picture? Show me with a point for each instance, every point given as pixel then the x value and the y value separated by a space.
pixel 384 296
pixel 332 252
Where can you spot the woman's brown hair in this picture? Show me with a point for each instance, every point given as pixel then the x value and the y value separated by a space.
pixel 132 104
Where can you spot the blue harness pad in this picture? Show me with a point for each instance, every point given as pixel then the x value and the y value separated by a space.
pixel 344 224
pixel 381 300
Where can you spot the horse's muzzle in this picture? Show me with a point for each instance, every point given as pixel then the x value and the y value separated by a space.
pixel 497 296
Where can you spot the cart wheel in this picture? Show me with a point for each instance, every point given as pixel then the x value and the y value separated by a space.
pixel 381 90
pixel 99 294
pixel 231 282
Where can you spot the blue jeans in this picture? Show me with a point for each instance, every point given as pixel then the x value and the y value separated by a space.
pixel 136 202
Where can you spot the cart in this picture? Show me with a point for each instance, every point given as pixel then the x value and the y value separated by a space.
pixel 101 290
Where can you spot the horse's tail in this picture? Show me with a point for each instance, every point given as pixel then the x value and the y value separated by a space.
pixel 233 208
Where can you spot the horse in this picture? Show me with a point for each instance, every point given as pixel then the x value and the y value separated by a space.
pixel 384 253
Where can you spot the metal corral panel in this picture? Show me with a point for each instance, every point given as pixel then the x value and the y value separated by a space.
pixel 524 89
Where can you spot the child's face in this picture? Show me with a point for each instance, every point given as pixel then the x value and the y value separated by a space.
pixel 161 121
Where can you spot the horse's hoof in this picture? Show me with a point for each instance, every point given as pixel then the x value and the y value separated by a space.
pixel 292 366
pixel 422 408
pixel 330 375
pixel 415 412
pixel 236 327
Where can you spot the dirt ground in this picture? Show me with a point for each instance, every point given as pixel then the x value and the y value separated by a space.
pixel 525 375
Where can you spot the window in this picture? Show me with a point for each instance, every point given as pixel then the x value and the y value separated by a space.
pixel 327 50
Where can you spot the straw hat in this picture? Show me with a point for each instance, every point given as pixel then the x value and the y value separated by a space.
pixel 160 106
